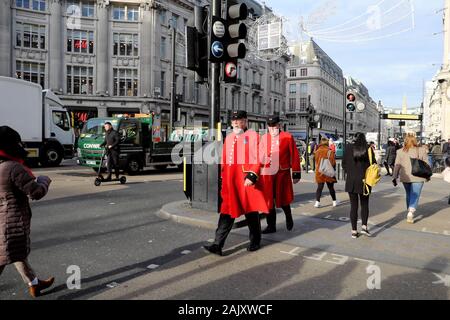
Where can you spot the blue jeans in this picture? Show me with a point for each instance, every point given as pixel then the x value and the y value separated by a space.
pixel 413 191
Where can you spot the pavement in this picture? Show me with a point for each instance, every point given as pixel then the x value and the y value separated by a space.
pixel 318 259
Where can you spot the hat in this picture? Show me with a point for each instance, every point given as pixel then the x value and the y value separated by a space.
pixel 108 123
pixel 11 142
pixel 273 120
pixel 239 114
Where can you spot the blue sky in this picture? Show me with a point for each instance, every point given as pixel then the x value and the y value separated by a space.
pixel 396 59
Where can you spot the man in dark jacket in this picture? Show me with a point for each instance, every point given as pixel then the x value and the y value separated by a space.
pixel 111 143
pixel 391 154
pixel 446 150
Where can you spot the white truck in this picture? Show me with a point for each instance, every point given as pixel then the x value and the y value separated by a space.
pixel 40 118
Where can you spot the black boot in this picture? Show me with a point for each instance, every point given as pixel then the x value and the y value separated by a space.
pixel 214 249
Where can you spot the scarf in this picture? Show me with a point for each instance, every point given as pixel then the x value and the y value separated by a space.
pixel 3 154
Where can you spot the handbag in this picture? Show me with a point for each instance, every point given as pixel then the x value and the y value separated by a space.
pixel 420 168
pixel 372 176
pixel 326 168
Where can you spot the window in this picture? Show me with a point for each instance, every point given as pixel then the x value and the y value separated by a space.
pixel 30 36
pixel 163 48
pixel 125 44
pixel 80 41
pixel 303 88
pixel 31 71
pixel 37 5
pixel 125 82
pixel 196 92
pixel 80 80
pixel 304 72
pixel 292 103
pixel 61 120
pixel 163 17
pixel 86 7
pixel 293 73
pixel 174 21
pixel 303 104
pixel 184 88
pixel 126 13
pixel 292 88
pixel 163 83
pixel 129 131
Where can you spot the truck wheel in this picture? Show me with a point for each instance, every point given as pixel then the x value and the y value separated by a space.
pixel 52 156
pixel 133 167
pixel 161 167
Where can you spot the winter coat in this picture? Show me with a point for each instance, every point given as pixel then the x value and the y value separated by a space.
pixel 391 154
pixel 355 170
pixel 403 168
pixel 112 139
pixel 16 184
pixel 321 153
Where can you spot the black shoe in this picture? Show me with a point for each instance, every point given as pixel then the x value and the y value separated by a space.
pixel 214 249
pixel 289 222
pixel 269 230
pixel 253 247
pixel 365 232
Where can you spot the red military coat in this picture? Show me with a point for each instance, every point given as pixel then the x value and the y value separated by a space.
pixel 240 157
pixel 279 155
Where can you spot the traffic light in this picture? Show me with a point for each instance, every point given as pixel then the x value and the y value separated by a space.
pixel 196 44
pixel 351 102
pixel 235 32
pixel 312 116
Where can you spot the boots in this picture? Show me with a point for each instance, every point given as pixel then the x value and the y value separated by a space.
pixel 35 291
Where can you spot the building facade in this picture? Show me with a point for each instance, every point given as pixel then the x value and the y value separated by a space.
pixel 110 57
pixel 433 111
pixel 311 72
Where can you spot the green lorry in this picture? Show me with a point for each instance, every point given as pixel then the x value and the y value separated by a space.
pixel 140 144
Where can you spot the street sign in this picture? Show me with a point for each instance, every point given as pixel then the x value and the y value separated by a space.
pixel 269 36
pixel 217 49
pixel 219 29
pixel 360 106
pixel 416 117
pixel 230 70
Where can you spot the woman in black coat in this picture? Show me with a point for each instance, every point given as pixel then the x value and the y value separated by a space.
pixel 391 154
pixel 355 164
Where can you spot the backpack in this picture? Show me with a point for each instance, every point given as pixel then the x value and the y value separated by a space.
pixel 326 168
pixel 372 176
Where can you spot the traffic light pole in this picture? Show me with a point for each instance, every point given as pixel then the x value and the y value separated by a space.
pixel 345 116
pixel 216 10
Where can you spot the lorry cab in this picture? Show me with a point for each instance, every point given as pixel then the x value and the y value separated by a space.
pixel 137 146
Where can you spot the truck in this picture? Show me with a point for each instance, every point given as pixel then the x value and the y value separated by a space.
pixel 40 118
pixel 140 146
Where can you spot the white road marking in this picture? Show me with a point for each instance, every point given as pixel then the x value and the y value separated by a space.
pixel 152 266
pixel 186 252
pixel 112 285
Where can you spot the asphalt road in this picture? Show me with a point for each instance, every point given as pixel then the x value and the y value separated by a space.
pixel 111 232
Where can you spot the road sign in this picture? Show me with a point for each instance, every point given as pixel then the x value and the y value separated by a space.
pixel 231 70
pixel 217 49
pixel 416 117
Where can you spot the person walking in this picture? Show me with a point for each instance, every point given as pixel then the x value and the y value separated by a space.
pixel 403 170
pixel 111 143
pixel 355 163
pixel 279 156
pixel 446 150
pixel 17 183
pixel 324 152
pixel 437 155
pixel 311 149
pixel 242 192
pixel 391 154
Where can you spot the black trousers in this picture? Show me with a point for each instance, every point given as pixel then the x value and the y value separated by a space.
pixel 113 162
pixel 272 216
pixel 320 187
pixel 387 166
pixel 354 203
pixel 226 224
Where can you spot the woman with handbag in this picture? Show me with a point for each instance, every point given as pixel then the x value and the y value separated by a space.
pixel 413 170
pixel 355 163
pixel 325 173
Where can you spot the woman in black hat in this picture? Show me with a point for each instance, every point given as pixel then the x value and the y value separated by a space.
pixel 17 183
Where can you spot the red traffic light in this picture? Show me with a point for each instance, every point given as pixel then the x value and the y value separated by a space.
pixel 351 97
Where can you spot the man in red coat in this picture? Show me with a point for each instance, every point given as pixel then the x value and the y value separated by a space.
pixel 242 193
pixel 279 155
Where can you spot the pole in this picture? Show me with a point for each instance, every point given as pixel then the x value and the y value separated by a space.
pixel 215 79
pixel 421 124
pixel 345 116
pixel 173 87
